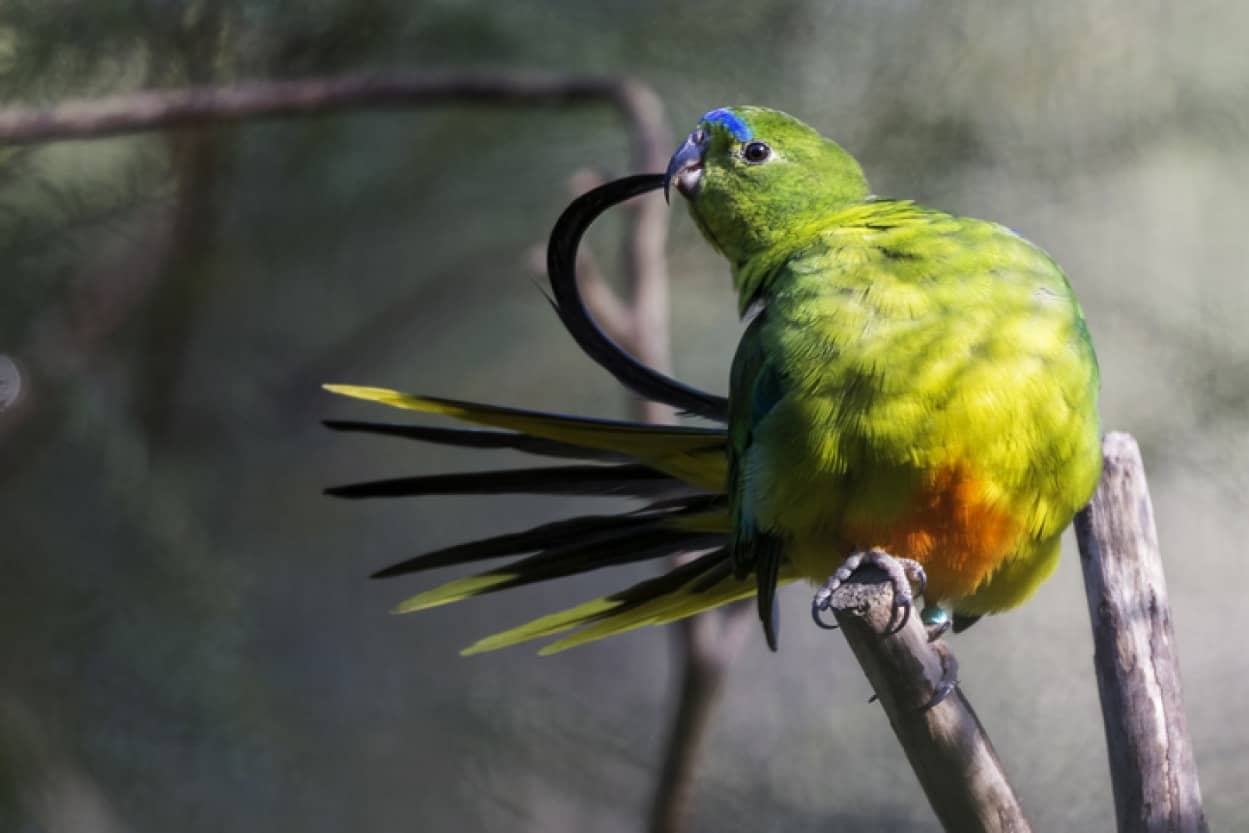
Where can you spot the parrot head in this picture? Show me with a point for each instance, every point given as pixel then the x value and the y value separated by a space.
pixel 755 177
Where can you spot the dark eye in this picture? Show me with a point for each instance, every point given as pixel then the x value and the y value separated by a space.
pixel 756 152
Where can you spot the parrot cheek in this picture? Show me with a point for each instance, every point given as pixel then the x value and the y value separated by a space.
pixel 686 167
pixel 688 180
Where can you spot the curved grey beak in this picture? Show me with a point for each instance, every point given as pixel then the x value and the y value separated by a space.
pixel 686 166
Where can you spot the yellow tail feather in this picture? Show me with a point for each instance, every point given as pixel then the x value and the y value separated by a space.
pixel 452 591
pixel 599 622
pixel 694 455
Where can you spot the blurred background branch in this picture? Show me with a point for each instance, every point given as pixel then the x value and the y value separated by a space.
pixel 249 100
pixel 706 645
pixel 195 155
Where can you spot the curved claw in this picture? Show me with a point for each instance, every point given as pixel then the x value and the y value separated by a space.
pixel 905 606
pixel 947 684
pixel 921 578
pixel 818 606
pixel 901 573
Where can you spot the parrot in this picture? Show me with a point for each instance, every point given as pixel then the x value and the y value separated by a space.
pixel 913 389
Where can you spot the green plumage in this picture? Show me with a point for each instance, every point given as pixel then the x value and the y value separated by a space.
pixel 910 380
pixel 913 380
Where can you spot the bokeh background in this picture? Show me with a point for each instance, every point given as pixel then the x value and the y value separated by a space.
pixel 187 637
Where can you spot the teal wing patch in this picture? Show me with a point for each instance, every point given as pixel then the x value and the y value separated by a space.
pixel 756 386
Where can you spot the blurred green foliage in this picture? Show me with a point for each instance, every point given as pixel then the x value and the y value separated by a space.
pixel 188 639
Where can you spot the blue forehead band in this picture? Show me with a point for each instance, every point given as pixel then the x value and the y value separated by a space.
pixel 730 121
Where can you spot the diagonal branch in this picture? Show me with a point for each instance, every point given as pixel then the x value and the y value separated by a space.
pixel 949 750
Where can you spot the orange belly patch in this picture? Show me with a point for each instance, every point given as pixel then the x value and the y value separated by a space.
pixel 948 527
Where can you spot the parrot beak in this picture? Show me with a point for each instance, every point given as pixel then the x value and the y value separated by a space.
pixel 686 166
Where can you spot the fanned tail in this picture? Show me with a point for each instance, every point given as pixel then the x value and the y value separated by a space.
pixel 679 471
pixel 702 584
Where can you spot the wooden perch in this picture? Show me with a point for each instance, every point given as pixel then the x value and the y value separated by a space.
pixel 1138 676
pixel 946 745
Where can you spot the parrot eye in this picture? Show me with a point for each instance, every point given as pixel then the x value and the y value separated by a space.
pixel 756 152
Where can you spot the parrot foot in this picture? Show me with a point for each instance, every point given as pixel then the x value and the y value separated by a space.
pixel 948 681
pixel 901 571
pixel 945 686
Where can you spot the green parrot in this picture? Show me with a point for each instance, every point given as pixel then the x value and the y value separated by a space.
pixel 910 382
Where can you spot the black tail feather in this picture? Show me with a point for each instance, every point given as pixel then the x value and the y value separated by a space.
pixel 561 267
pixel 475 438
pixel 580 532
pixel 586 556
pixel 626 480
pixel 767 570
pixel 708 569
pixel 538 537
pixel 717 573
